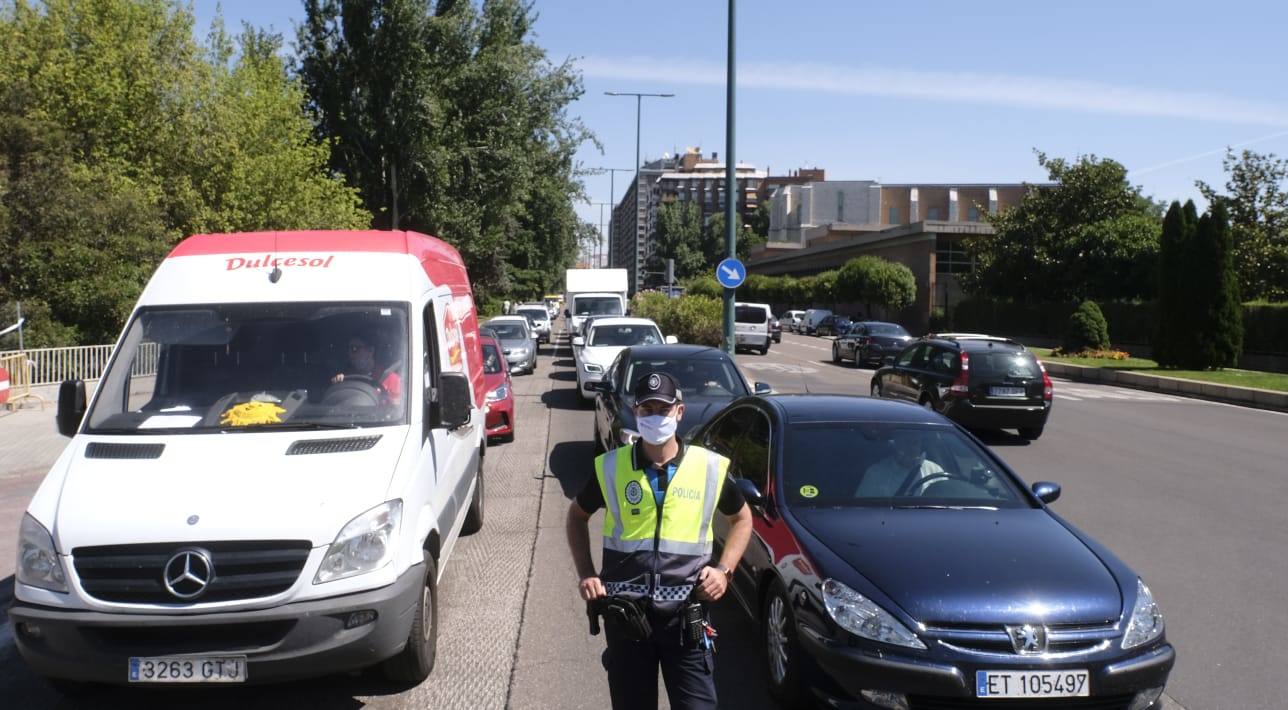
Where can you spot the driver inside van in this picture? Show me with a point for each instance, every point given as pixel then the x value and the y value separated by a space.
pixel 362 364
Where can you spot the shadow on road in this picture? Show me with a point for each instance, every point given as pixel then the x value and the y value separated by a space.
pixel 573 464
pixel 740 674
pixel 564 398
pixel 563 362
pixel 563 376
pixel 1001 438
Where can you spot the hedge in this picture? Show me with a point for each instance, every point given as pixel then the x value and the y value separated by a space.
pixel 1265 326
pixel 694 320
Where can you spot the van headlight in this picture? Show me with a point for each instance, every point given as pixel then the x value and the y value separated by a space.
pixel 366 543
pixel 38 561
pixel 862 617
pixel 1146 620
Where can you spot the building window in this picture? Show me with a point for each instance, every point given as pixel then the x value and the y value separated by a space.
pixel 932 213
pixel 840 206
pixel 951 257
pixel 893 217
pixel 972 214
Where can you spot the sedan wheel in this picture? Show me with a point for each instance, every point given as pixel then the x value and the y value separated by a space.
pixel 780 649
pixel 836 353
pixel 929 405
pixel 876 390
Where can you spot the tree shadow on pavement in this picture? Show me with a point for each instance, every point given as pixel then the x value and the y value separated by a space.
pixel 563 376
pixel 572 463
pixel 740 674
pixel 564 398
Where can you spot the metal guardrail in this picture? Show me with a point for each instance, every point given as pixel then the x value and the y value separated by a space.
pixel 47 366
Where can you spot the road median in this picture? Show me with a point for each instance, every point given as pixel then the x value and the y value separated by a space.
pixel 1228 394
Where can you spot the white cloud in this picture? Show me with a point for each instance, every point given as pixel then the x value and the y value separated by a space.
pixel 1029 92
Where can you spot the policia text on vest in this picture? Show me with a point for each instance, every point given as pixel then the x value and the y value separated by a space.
pixel 659 500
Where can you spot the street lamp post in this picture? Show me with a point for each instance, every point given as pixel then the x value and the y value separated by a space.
pixel 600 240
pixel 612 196
pixel 731 183
pixel 638 99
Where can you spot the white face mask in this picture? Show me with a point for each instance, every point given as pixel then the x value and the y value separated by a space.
pixel 657 429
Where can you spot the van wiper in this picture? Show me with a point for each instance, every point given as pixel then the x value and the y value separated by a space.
pixel 289 426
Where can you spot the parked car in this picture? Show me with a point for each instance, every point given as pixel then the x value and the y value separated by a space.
pixel 978 382
pixel 500 392
pixel 792 320
pixel 832 325
pixel 538 319
pixel 811 319
pixel 605 338
pixel 751 326
pixel 918 571
pixel 708 378
pixel 775 329
pixel 870 341
pixel 228 508
pixel 518 342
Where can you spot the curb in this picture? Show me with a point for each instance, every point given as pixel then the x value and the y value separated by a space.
pixel 1228 394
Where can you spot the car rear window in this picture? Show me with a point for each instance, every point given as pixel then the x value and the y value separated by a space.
pixel 750 314
pixel 1004 364
pixel 886 329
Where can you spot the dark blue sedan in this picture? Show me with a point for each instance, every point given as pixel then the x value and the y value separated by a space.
pixel 917 571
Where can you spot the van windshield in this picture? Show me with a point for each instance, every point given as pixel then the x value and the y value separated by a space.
pixel 597 306
pixel 256 366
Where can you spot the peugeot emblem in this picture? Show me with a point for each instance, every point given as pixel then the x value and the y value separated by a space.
pixel 1028 640
pixel 192 519
pixel 188 574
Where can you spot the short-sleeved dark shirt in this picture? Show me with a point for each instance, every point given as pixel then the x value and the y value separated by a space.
pixel 591 497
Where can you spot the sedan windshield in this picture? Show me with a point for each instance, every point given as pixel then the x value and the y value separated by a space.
pixel 509 331
pixel 861 464
pixel 698 376
pixel 597 306
pixel 256 365
pixel 624 335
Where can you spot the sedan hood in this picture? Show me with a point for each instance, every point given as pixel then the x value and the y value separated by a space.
pixel 238 486
pixel 971 566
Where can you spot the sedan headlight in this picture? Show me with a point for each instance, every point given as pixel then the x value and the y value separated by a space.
pixel 499 393
pixel 38 562
pixel 593 369
pixel 1146 622
pixel 365 544
pixel 862 617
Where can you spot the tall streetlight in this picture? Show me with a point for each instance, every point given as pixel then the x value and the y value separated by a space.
pixel 731 183
pixel 599 242
pixel 612 196
pixel 638 99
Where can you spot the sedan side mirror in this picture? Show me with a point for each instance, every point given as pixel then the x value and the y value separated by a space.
pixel 762 388
pixel 71 406
pixel 672 340
pixel 578 341
pixel 598 386
pixel 1046 491
pixel 750 492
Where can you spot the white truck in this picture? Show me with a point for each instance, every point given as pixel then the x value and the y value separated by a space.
pixel 593 292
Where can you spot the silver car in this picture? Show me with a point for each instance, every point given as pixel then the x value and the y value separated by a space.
pixel 538 320
pixel 518 342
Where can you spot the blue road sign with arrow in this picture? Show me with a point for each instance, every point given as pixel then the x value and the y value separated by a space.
pixel 731 273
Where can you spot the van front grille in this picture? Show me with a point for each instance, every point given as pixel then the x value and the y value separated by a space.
pixel 134 574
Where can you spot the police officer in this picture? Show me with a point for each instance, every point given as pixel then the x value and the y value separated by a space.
pixel 661 565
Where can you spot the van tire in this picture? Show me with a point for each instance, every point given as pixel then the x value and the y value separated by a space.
pixel 474 516
pixel 415 662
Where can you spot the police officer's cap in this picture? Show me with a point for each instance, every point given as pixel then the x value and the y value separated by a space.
pixel 657 386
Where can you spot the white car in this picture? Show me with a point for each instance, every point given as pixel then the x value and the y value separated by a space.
pixel 792 319
pixel 604 339
pixel 751 326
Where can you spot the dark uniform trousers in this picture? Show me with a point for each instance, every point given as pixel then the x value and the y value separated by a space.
pixel 689 673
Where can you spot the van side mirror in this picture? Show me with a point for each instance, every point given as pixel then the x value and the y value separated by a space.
pixel 1046 491
pixel 750 492
pixel 578 341
pixel 71 406
pixel 454 399
pixel 672 340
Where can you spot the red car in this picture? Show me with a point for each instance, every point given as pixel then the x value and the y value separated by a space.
pixel 500 394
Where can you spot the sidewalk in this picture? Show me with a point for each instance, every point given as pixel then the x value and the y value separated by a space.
pixel 29 444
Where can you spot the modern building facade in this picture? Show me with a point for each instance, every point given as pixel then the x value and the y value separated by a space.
pixel 817 226
pixel 688 177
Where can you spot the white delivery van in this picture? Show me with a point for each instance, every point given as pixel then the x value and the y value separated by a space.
pixel 593 292
pixel 809 323
pixel 751 326
pixel 272 472
pixel 792 320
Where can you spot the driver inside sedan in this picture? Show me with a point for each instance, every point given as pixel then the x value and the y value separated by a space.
pixel 898 473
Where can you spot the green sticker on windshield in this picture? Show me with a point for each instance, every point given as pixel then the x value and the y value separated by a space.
pixel 808 491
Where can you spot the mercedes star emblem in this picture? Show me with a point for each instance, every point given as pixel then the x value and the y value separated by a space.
pixel 188 573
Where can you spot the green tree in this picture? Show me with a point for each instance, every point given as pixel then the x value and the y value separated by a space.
pixel 714 239
pixel 1092 235
pixel 872 280
pixel 1087 329
pixel 1256 199
pixel 1217 340
pixel 759 220
pixel 1175 302
pixel 679 237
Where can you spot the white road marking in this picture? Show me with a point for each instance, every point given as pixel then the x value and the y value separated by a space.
pixel 780 367
pixel 1080 393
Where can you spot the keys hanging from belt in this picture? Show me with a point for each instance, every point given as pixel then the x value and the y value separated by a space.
pixel 709 635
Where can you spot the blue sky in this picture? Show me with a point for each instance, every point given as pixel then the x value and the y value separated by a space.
pixel 918 92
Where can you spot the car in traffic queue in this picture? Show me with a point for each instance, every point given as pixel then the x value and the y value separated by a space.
pixel 978 381
pixel 792 320
pixel 500 393
pixel 606 337
pixel 918 572
pixel 832 325
pixel 775 329
pixel 230 509
pixel 518 342
pixel 751 326
pixel 538 319
pixel 870 342
pixel 810 321
pixel 707 376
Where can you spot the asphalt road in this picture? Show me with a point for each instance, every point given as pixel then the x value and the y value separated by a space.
pixel 1189 493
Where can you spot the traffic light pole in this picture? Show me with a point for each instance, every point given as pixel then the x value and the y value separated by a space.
pixel 731 185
